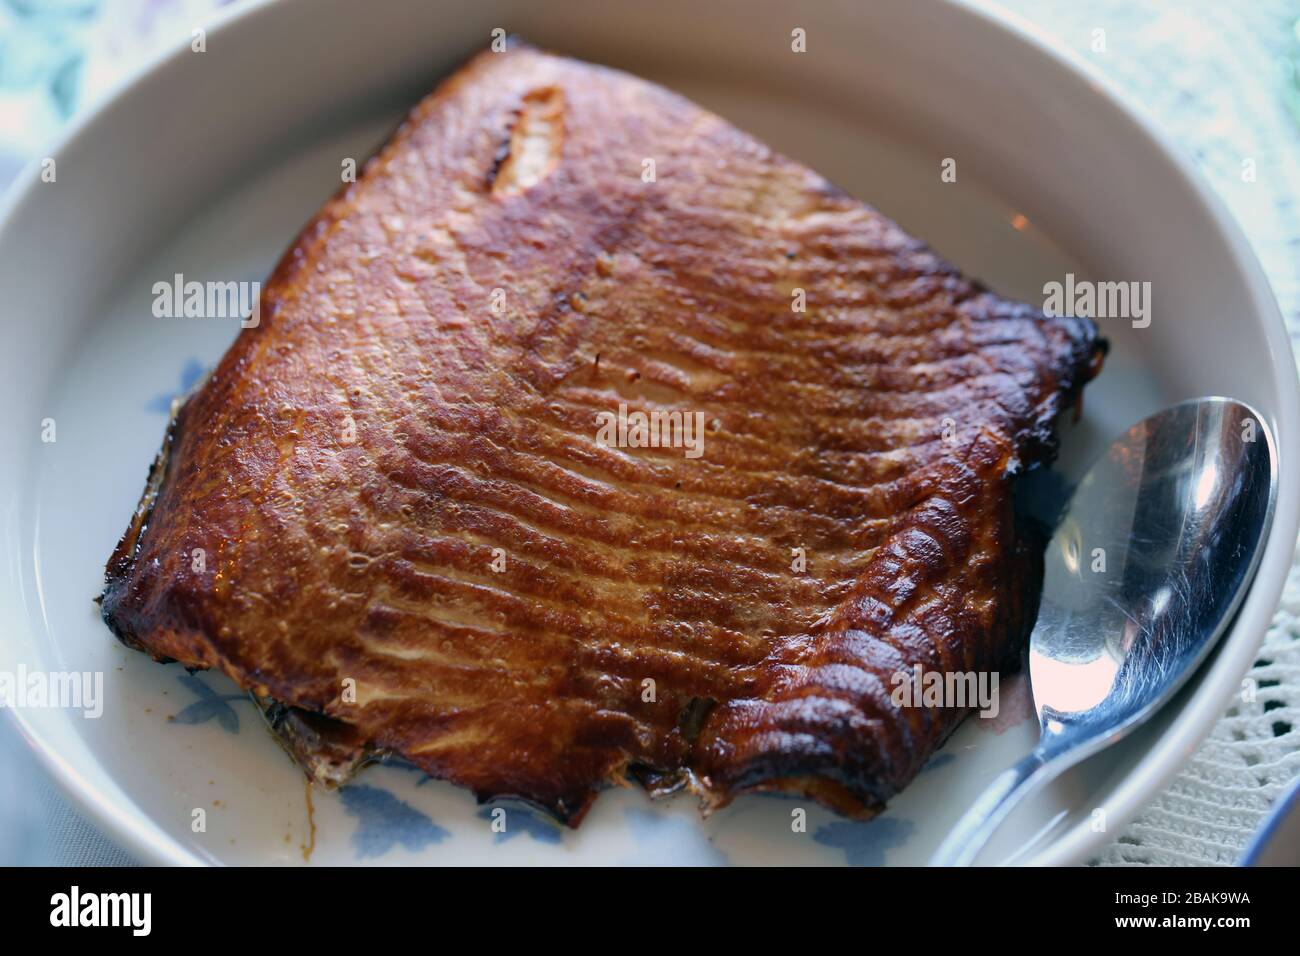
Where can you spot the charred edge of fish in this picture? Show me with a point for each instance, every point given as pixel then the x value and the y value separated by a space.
pixel 328 750
pixel 123 559
pixel 1041 444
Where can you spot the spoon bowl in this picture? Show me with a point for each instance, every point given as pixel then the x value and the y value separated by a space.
pixel 1150 560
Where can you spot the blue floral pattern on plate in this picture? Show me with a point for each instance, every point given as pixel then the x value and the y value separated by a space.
pixel 865 844
pixel 209 706
pixel 383 822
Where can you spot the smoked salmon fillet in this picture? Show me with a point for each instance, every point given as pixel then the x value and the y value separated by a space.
pixel 584 437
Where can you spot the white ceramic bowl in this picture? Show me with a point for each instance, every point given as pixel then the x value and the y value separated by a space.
pixel 207 163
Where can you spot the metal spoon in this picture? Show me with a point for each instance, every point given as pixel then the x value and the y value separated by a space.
pixel 1148 564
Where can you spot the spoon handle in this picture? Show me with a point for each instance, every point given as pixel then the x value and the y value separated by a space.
pixel 988 811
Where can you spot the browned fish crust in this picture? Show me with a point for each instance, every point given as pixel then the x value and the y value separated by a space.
pixel 387 511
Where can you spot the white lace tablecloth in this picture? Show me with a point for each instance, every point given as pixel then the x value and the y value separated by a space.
pixel 1223 78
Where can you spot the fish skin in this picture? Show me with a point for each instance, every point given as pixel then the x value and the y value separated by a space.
pixel 351 464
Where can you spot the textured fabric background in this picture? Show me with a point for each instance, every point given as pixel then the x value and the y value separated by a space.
pixel 1222 78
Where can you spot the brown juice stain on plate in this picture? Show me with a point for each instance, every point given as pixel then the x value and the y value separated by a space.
pixel 310 846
